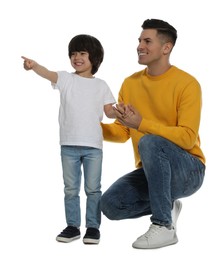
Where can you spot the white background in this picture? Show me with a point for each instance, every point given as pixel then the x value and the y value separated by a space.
pixel 31 185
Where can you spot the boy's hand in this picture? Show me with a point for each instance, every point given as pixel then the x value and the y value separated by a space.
pixel 127 115
pixel 28 63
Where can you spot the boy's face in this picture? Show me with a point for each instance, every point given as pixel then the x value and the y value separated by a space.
pixel 81 63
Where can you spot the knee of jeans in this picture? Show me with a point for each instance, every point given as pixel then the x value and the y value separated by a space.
pixel 149 141
pixel 146 141
pixel 71 193
pixel 107 207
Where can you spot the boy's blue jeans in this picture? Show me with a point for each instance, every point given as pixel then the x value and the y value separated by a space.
pixel 168 173
pixel 73 159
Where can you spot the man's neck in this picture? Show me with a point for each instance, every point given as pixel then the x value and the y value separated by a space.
pixel 158 70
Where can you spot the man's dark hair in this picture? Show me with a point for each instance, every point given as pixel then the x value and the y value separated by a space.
pixel 90 44
pixel 162 28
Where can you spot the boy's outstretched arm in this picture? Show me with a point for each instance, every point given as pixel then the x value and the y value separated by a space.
pixel 40 70
pixel 109 111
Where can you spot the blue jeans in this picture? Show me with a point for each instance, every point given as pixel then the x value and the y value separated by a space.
pixel 168 173
pixel 73 159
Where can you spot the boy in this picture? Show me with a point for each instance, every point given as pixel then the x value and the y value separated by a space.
pixel 82 101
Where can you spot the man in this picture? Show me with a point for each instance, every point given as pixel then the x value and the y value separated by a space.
pixel 159 109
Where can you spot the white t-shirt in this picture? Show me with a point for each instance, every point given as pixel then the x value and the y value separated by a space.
pixel 82 102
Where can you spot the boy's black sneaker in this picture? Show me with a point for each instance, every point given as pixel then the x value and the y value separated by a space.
pixel 92 236
pixel 69 234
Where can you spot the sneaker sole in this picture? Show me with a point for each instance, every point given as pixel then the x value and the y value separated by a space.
pixel 67 240
pixel 172 242
pixel 90 241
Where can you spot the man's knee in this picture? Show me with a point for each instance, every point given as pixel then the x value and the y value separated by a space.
pixel 147 141
pixel 150 141
pixel 107 207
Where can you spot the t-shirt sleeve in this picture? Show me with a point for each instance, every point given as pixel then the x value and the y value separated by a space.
pixel 62 77
pixel 109 97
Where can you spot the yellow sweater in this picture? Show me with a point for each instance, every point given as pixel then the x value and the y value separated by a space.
pixel 170 105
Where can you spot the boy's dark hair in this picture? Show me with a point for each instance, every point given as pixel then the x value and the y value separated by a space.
pixel 162 27
pixel 90 44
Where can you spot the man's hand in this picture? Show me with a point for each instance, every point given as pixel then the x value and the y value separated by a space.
pixel 127 115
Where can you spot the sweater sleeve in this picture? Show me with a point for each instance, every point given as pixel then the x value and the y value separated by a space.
pixel 115 132
pixel 185 132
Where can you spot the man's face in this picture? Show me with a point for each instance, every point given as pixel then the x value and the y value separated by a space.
pixel 150 49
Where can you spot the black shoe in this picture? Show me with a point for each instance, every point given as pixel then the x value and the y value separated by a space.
pixel 92 236
pixel 68 234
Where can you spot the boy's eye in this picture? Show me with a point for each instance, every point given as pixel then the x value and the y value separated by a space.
pixel 80 52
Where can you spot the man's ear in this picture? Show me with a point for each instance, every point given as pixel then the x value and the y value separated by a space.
pixel 167 48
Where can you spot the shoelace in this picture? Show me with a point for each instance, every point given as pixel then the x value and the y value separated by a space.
pixel 153 230
pixel 68 230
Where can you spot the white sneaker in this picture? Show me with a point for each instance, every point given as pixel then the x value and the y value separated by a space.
pixel 177 206
pixel 156 237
